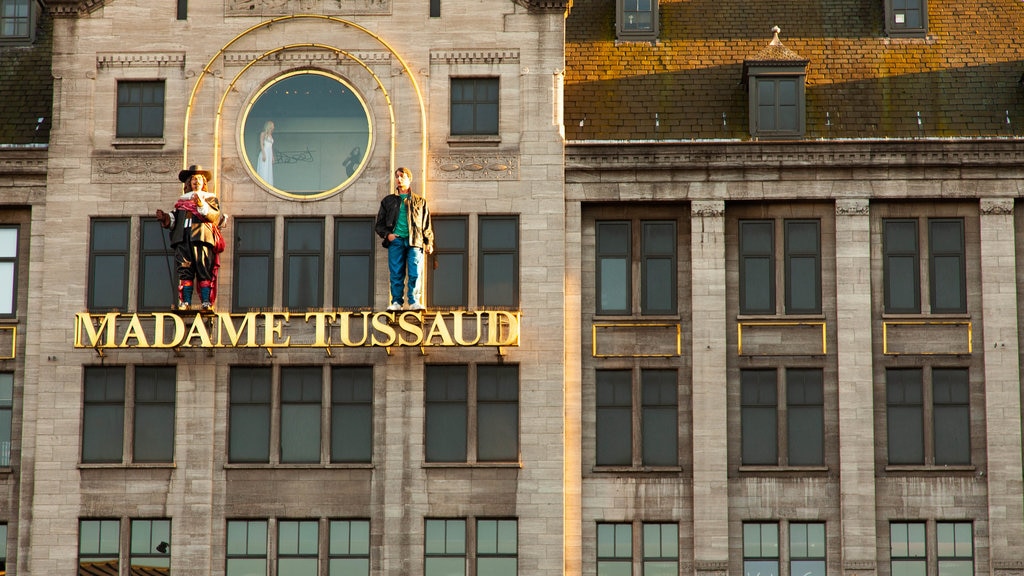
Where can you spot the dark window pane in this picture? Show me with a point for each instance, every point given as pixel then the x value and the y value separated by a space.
pixel 614 418
pixel 103 414
pixel 952 416
pixel 304 263
pixel 108 285
pixel 659 267
pixel 249 430
pixel 948 273
pixel 448 272
pixel 759 417
pixel 803 268
pixel 140 109
pixel 497 413
pixel 613 267
pixel 474 106
pixel 300 414
pixel 660 417
pixel 353 282
pixel 757 267
pixel 901 273
pixel 905 414
pixel 446 415
pixel 806 426
pixel 351 414
pixel 254 257
pixel 156 262
pixel 499 261
pixel 154 414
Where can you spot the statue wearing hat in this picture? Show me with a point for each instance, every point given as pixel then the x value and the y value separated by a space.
pixel 194 226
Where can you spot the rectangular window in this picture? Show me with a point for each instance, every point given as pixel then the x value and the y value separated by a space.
pixel 759 417
pixel 807 549
pixel 297 547
pixel 254 264
pixel 776 105
pixel 951 416
pixel 150 547
pixel 660 549
pixel 249 425
pixel 474 106
pixel 614 418
pixel 157 281
pixel 497 408
pixel 182 10
pixel 497 547
pixel 907 551
pixel 658 267
pixel 351 413
pixel 614 275
pixel 905 415
pixel 348 552
pixel 761 548
pixel 103 414
pixel 499 261
pixel 614 549
pixel 108 264
pixel 637 15
pixel 447 398
pixel 99 546
pixel 301 389
pixel 303 264
pixel 659 417
pixel 140 109
pixel 6 417
pixel 450 262
pixel 444 547
pixel 354 260
pixel 652 255
pixel 8 270
pixel 955 548
pixel 435 8
pixel 906 16
pixel 246 552
pixel 803 266
pixel 946 271
pixel 154 414
pixel 805 409
pixel 757 266
pixel 15 19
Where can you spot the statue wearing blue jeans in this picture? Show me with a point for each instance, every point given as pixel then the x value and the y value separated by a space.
pixel 403 222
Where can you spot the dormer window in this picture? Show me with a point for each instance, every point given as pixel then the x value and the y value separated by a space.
pixel 906 17
pixel 636 20
pixel 775 84
pixel 16 18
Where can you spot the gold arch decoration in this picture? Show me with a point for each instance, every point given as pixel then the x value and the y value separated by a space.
pixel 207 70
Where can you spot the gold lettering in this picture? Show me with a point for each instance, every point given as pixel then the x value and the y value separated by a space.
pixel 198 330
pixel 438 328
pixel 411 328
pixel 225 323
pixel 457 323
pixel 320 325
pixel 274 328
pixel 108 325
pixel 345 327
pixel 382 323
pixel 494 328
pixel 159 319
pixel 134 331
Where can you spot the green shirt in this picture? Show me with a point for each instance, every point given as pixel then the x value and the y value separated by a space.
pixel 402 223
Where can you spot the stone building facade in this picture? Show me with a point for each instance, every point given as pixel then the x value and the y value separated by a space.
pixel 707 297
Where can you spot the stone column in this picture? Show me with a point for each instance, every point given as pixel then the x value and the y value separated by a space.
pixel 710 431
pixel 856 407
pixel 1002 385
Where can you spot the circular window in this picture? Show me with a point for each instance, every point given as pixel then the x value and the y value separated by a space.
pixel 306 135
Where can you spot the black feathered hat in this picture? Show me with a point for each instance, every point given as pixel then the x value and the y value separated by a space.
pixel 186 174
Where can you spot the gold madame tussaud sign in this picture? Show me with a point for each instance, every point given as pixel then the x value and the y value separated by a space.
pixel 320 329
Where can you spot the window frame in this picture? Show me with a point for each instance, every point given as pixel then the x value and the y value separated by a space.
pixel 636 254
pixel 624 32
pixel 123 92
pixel 14 262
pixel 783 408
pixel 923 273
pixel 103 552
pixel 896 555
pixel 956 555
pixel 250 543
pixel 461 406
pixel 317 252
pixel 478 101
pixel 27 22
pixel 362 377
pixel 345 554
pixel 486 555
pixel 162 275
pixel 159 403
pixel 439 266
pixel 163 559
pixel 130 419
pixel 241 250
pixel 484 254
pixel 894 8
pixel 760 554
pixel 809 555
pixel 448 548
pixel 104 377
pixel 122 252
pixel 7 413
pixel 366 253
pixel 300 552
pixel 234 416
pixel 932 448
pixel 621 546
pixel 776 74
pixel 629 396
pixel 309 379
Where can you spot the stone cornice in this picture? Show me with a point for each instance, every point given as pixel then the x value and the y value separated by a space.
pixel 71 8
pixel 27 162
pixel 140 59
pixel 305 56
pixel 499 56
pixel 1007 155
pixel 546 6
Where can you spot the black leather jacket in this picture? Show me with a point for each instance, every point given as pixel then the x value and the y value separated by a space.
pixel 421 234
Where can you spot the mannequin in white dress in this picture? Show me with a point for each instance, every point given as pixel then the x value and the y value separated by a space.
pixel 265 164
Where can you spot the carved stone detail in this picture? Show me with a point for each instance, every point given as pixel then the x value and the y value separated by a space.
pixel 264 8
pixel 71 8
pixel 860 565
pixel 140 60
pixel 474 57
pixel 552 6
pixel 304 56
pixel 707 208
pixel 137 169
pixel 996 206
pixel 475 167
pixel 852 207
